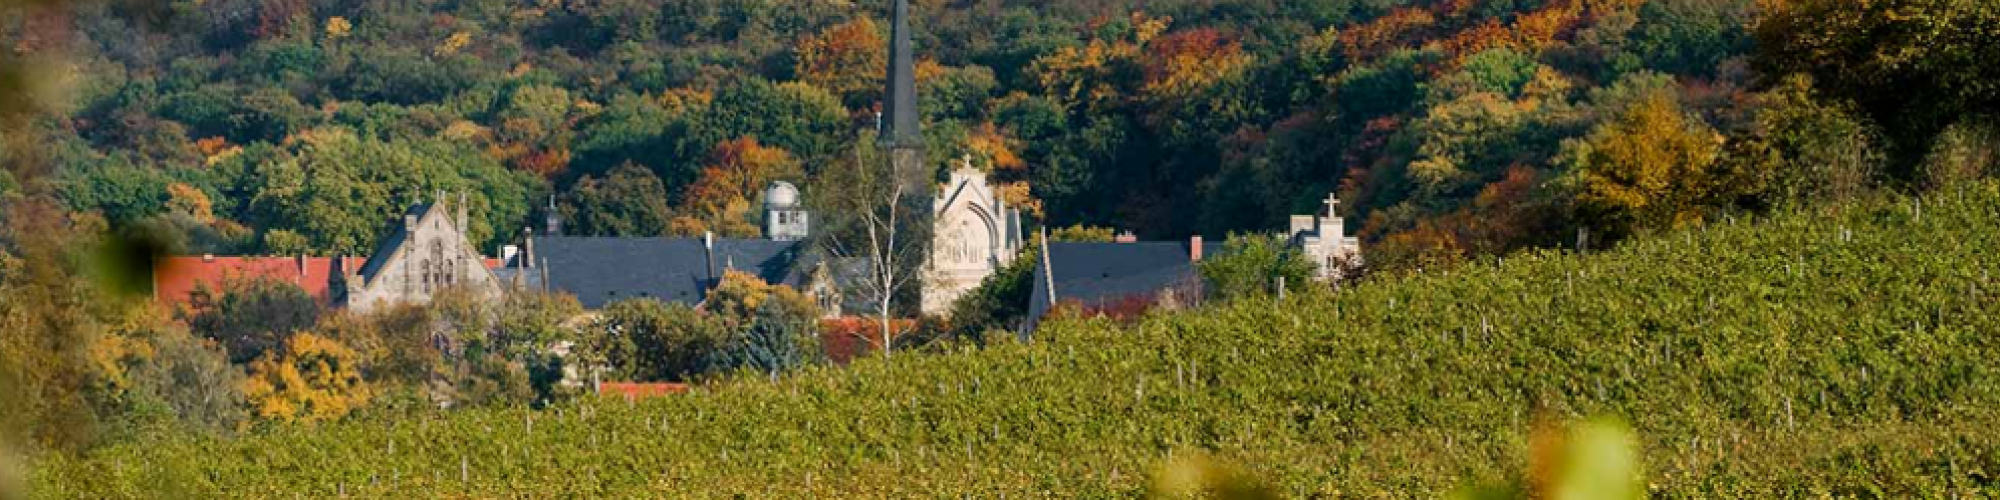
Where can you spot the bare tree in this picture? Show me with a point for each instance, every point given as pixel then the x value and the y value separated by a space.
pixel 878 233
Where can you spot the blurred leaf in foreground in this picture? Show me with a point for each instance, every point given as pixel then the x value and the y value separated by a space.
pixel 1593 460
pixel 1198 475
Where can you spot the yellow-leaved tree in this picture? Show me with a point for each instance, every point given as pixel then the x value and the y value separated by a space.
pixel 313 379
pixel 1649 167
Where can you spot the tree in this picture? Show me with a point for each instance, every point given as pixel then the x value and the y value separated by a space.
pixel 340 189
pixel 1250 265
pixel 737 172
pixel 772 328
pixel 1809 148
pixel 847 59
pixel 875 223
pixel 313 379
pixel 1649 167
pixel 1915 67
pixel 191 380
pixel 649 340
pixel 251 316
pixel 628 201
pixel 794 116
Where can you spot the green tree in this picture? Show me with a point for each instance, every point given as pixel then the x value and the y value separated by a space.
pixel 1250 265
pixel 770 328
pixel 793 116
pixel 1913 66
pixel 628 201
pixel 341 190
pixel 249 317
pixel 649 340
pixel 1810 149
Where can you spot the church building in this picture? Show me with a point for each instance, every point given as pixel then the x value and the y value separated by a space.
pixel 975 234
pixel 428 253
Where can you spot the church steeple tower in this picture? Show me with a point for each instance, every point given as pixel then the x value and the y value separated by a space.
pixel 899 104
pixel 901 134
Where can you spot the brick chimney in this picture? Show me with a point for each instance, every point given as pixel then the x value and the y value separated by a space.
pixel 1194 248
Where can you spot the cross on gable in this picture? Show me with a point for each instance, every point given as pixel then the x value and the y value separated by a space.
pixel 1332 202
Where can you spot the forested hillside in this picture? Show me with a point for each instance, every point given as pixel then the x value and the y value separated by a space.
pixel 1555 197
pixel 1453 127
pixel 1844 352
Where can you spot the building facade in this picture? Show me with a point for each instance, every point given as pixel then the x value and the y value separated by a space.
pixel 975 234
pixel 427 254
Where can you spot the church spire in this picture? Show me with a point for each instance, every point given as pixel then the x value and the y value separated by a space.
pixel 899 129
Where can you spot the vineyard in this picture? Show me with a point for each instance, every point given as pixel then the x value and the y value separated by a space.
pixel 1846 352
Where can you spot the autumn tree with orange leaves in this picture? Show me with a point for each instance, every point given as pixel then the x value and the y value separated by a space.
pixel 720 199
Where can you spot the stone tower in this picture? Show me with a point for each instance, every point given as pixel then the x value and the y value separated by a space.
pixel 900 134
pixel 784 218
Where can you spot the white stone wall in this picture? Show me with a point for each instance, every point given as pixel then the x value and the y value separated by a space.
pixel 433 257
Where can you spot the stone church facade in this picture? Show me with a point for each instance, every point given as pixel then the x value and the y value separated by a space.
pixel 426 255
pixel 975 234
pixel 1324 240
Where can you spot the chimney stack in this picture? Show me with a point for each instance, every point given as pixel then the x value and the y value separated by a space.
pixel 528 247
pixel 1194 248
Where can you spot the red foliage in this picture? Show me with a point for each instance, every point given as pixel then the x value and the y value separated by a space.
pixel 846 338
pixel 1202 44
pixel 1400 27
pixel 547 163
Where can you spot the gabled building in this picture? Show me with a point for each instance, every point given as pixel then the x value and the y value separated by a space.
pixel 603 270
pixel 975 234
pixel 1115 276
pixel 426 253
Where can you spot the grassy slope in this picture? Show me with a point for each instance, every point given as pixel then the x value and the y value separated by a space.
pixel 1769 359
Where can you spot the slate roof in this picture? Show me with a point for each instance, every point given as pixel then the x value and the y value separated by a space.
pixel 1100 273
pixel 390 242
pixel 600 270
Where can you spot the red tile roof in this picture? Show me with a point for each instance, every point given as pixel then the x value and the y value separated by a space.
pixel 174 278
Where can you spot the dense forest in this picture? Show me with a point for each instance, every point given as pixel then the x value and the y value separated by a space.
pixel 1453 127
pixel 1458 133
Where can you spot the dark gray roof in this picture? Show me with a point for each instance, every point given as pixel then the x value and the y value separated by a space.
pixel 599 271
pixel 391 241
pixel 1100 273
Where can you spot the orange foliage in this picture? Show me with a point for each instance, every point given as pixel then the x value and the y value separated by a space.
pixel 212 146
pixel 736 170
pixel 546 163
pixel 846 59
pixel 1178 54
pixel 987 142
pixel 190 201
pixel 1488 35
pixel 849 337
pixel 1502 217
pixel 1400 27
